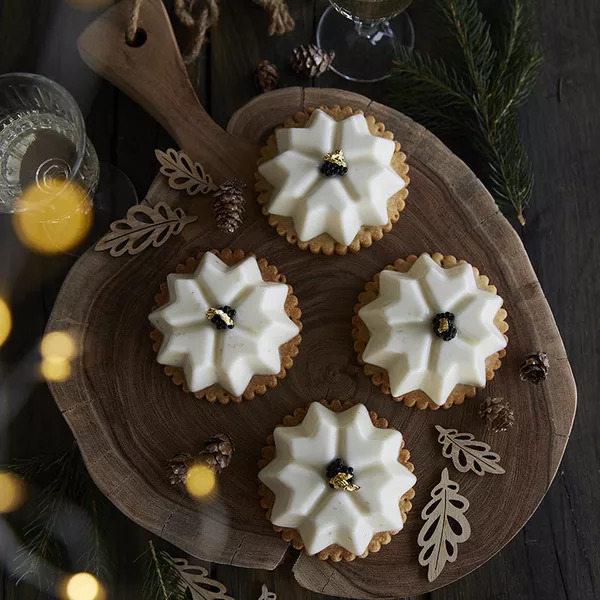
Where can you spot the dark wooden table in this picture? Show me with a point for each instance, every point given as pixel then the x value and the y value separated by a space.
pixel 555 556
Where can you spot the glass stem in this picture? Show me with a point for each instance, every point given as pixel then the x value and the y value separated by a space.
pixel 373 30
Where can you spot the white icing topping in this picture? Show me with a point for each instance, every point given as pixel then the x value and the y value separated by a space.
pixel 229 357
pixel 303 498
pixel 402 337
pixel 340 205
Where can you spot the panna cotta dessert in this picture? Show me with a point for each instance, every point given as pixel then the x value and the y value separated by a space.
pixel 430 330
pixel 332 180
pixel 226 326
pixel 336 481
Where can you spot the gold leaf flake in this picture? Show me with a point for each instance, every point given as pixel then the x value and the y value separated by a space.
pixel 183 173
pixel 143 226
pixel 467 453
pixel 445 526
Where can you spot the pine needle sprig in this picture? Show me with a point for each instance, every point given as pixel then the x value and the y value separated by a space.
pixel 41 544
pixel 69 492
pixel 164 582
pixel 475 91
pixel 475 41
pixel 425 77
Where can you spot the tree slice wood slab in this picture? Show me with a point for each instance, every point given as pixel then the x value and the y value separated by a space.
pixel 129 418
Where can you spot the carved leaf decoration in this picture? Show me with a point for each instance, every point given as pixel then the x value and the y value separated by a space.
pixel 266 594
pixel 143 226
pixel 445 526
pixel 467 453
pixel 183 173
pixel 200 585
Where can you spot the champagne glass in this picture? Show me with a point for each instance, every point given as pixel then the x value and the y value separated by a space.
pixel 366 36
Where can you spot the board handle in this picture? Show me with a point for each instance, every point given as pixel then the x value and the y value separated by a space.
pixel 152 73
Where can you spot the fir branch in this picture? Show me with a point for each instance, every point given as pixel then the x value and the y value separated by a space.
pixel 41 545
pixel 98 560
pixel 473 36
pixel 509 172
pixel 421 76
pixel 70 488
pixel 475 94
pixel 520 60
pixel 164 582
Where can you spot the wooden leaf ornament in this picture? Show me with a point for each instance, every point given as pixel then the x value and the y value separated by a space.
pixel 467 453
pixel 200 585
pixel 266 594
pixel 143 226
pixel 184 173
pixel 445 526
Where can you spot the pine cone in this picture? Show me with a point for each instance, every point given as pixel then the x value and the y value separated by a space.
pixel 310 60
pixel 266 76
pixel 535 367
pixel 216 455
pixel 217 452
pixel 179 467
pixel 229 205
pixel 497 413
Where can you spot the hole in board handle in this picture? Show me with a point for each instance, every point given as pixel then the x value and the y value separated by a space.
pixel 139 39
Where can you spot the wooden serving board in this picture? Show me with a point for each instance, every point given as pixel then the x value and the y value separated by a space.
pixel 129 418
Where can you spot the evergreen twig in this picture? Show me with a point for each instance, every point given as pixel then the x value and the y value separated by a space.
pixel 475 93
pixel 164 582
pixel 69 489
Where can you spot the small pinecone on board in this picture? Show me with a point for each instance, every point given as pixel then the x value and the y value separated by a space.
pixel 266 76
pixel 229 205
pixel 310 60
pixel 179 467
pixel 217 452
pixel 535 367
pixel 497 413
pixel 216 455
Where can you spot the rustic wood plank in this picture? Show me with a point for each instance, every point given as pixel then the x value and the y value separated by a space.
pixel 551 557
pixel 240 41
pixel 41 37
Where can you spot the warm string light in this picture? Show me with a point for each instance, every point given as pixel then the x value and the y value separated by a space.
pixel 12 492
pixel 56 370
pixel 5 321
pixel 83 586
pixel 57 348
pixel 54 219
pixel 200 481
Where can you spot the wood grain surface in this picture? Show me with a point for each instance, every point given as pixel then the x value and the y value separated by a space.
pixel 553 557
pixel 129 419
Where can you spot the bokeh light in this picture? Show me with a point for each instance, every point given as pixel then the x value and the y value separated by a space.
pixel 58 345
pixel 200 481
pixel 57 349
pixel 12 492
pixel 52 220
pixel 56 369
pixel 5 321
pixel 83 586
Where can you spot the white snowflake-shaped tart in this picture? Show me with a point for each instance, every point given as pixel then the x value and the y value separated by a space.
pixel 224 324
pixel 333 177
pixel 337 480
pixel 433 328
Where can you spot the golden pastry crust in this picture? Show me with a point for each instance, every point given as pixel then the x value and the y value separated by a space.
pixel 324 243
pixel 334 552
pixel 380 377
pixel 259 383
